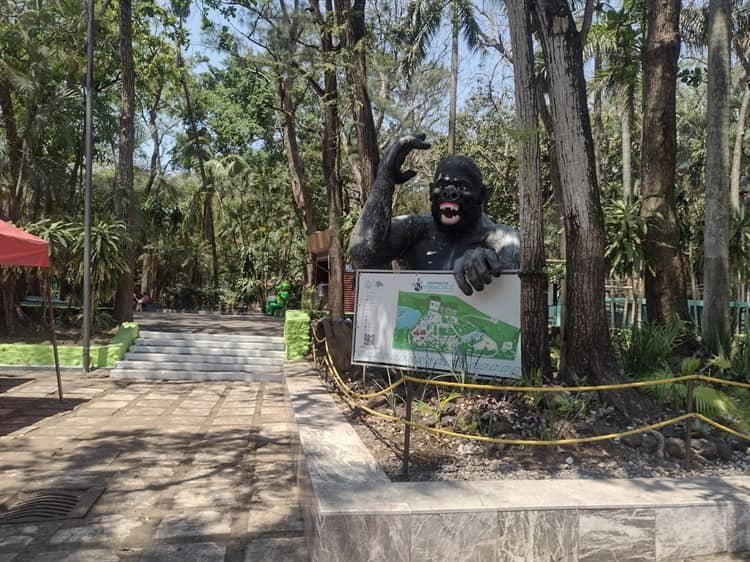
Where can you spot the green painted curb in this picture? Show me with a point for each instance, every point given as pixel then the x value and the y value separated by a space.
pixel 296 334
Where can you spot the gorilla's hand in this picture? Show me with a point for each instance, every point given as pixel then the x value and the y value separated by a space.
pixel 391 163
pixel 476 268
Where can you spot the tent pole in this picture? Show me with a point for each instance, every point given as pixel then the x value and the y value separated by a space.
pixel 52 330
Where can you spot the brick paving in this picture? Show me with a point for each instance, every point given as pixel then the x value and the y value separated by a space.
pixel 201 471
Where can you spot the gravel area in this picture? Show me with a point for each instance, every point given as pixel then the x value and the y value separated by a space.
pixel 437 457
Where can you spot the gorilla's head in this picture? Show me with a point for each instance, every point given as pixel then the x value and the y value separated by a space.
pixel 457 194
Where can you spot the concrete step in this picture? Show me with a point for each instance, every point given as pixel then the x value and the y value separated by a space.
pixel 210 344
pixel 268 358
pixel 195 366
pixel 147 334
pixel 217 352
pixel 196 376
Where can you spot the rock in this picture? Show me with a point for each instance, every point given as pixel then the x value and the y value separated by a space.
pixel 424 418
pixel 649 443
pixel 569 461
pixel 633 441
pixel 448 421
pixel 500 428
pixel 496 450
pixel 724 450
pixel 705 448
pixel 675 447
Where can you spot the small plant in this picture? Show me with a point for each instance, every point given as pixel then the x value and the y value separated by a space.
pixel 707 400
pixel 652 347
pixel 740 359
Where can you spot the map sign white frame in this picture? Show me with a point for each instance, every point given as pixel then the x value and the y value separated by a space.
pixel 437 328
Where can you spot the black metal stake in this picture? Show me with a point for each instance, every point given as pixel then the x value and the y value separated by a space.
pixel 407 431
pixel 689 423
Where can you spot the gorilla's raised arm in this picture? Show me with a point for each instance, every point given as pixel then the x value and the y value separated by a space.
pixel 372 244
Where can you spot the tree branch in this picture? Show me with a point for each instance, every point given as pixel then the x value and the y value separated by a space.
pixel 588 16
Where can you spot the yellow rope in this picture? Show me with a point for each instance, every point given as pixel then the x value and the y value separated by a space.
pixel 721 427
pixel 353 393
pixel 537 442
pixel 723 381
pixel 508 388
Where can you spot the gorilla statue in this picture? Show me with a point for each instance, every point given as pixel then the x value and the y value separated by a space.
pixel 457 236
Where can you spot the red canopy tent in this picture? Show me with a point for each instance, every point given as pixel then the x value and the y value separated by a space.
pixel 19 248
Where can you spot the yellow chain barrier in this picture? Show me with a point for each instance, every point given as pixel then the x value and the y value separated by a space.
pixel 509 388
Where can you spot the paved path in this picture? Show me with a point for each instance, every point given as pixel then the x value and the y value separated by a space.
pixel 191 471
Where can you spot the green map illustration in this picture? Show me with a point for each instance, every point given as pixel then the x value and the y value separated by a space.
pixel 447 324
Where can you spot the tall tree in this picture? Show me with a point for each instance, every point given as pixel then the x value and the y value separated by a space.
pixel 586 347
pixel 424 19
pixel 534 343
pixel 741 42
pixel 124 296
pixel 716 232
pixel 331 156
pixel 666 289
pixel 352 19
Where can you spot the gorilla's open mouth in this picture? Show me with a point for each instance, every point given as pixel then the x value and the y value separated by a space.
pixel 450 213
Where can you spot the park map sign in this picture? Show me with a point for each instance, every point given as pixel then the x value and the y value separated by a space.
pixel 422 321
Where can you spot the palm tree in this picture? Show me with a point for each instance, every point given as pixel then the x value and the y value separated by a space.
pixel 423 20
pixel 617 41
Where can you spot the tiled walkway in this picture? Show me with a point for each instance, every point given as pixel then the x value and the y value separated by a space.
pixel 191 471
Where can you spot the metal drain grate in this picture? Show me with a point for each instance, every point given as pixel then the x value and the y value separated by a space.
pixel 48 505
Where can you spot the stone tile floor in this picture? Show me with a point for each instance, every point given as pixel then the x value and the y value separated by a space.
pixel 191 471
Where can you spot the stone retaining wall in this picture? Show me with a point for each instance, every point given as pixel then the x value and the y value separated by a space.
pixel 353 512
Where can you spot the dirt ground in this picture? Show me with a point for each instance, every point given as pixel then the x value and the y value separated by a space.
pixel 31 330
pixel 438 457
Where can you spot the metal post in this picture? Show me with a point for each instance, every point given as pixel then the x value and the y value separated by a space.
pixel 407 430
pixel 87 197
pixel 54 336
pixel 689 423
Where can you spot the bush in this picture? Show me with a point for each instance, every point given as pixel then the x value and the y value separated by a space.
pixel 652 347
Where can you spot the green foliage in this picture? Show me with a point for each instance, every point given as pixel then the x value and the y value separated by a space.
pixel 625 231
pixel 652 347
pixel 708 401
pixel 740 359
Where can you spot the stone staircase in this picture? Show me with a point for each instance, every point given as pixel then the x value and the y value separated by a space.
pixel 202 357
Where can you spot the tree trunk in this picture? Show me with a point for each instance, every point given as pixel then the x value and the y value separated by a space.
pixel 13 143
pixel 665 284
pixel 353 17
pixel 534 342
pixel 586 348
pixel 627 160
pixel 155 165
pixel 716 233
pixel 125 286
pixel 331 154
pixel 598 131
pixel 739 140
pixel 300 188
pixel 207 213
pixel 454 79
